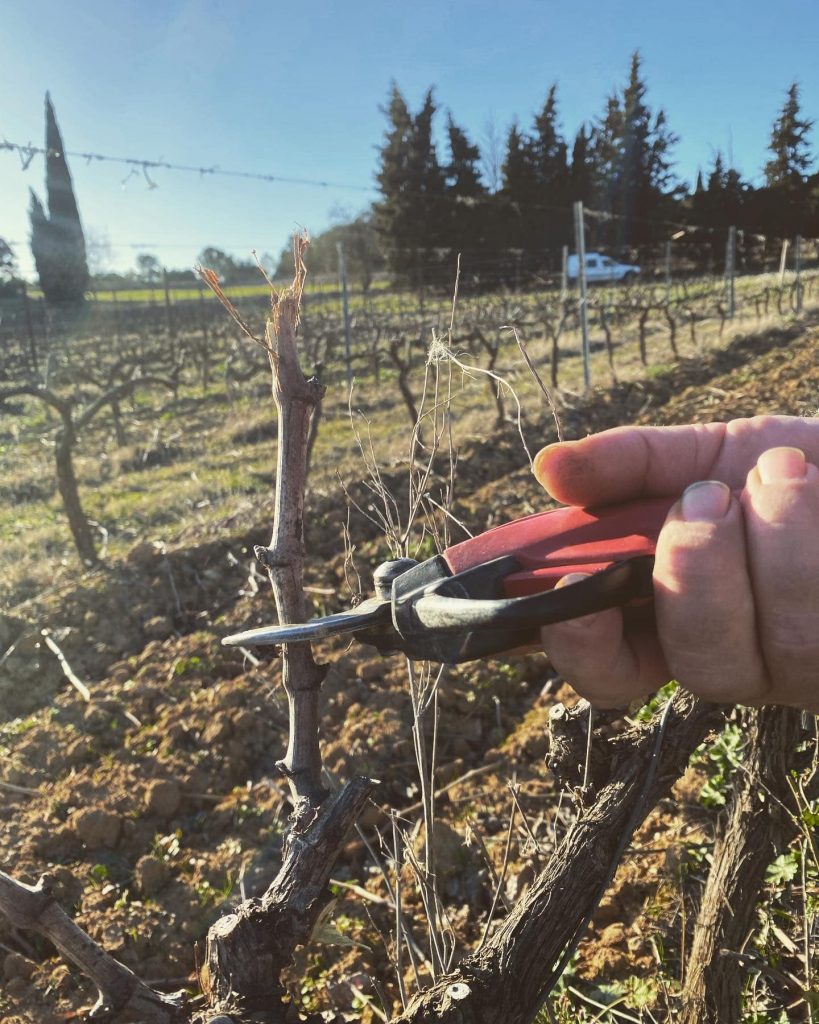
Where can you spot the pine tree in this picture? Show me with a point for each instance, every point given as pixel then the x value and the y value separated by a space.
pixel 552 169
pixel 786 203
pixel 606 169
pixel 549 150
pixel 409 217
pixel 520 192
pixel 582 168
pixel 789 145
pixel 57 240
pixel 468 214
pixel 716 205
pixel 463 177
pixel 632 157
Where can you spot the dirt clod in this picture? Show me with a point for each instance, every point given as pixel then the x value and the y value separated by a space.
pixel 162 798
pixel 150 874
pixel 96 827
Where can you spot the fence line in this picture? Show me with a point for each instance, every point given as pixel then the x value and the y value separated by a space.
pixel 31 332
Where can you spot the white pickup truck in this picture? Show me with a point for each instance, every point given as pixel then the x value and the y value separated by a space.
pixel 601 268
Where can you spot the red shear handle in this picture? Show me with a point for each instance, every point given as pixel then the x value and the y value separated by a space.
pixel 550 544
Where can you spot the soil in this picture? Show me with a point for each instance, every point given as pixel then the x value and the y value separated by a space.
pixel 156 805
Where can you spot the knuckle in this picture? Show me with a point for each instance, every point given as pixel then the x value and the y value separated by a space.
pixel 791 634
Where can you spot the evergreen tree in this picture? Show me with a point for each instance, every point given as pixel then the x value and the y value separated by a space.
pixel 720 203
pixel 409 217
pixel 552 170
pixel 520 189
pixel 549 151
pixel 606 169
pixel 463 177
pixel 582 168
pixel 788 201
pixel 467 209
pixel 632 156
pixel 57 240
pixel 789 145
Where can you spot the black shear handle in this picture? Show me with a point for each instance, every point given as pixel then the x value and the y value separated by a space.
pixel 618 585
pixel 452 619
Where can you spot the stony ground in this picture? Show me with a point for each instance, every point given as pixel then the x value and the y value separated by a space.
pixel 156 804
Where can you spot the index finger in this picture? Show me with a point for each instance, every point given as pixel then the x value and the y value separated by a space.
pixel 649 462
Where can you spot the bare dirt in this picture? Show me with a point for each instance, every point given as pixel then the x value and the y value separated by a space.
pixel 154 806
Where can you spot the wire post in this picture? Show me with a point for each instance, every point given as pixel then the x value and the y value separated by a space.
pixel 168 307
pixel 580 249
pixel 115 307
pixel 730 271
pixel 32 338
pixel 797 266
pixel 783 261
pixel 668 270
pixel 345 306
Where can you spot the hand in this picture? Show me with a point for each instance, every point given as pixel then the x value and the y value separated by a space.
pixel 736 577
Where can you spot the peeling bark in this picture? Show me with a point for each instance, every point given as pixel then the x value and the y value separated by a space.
pixel 508 980
pixel 762 820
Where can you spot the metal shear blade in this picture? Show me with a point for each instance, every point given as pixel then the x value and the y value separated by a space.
pixel 373 612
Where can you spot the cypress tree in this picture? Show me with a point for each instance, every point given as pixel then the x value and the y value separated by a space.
pixel 717 205
pixel 520 189
pixel 582 168
pixel 57 240
pixel 409 216
pixel 786 206
pixel 789 145
pixel 467 215
pixel 550 152
pixel 552 169
pixel 632 159
pixel 463 177
pixel 606 169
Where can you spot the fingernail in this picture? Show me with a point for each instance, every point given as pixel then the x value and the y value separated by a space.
pixel 542 458
pixel 705 502
pixel 571 577
pixel 779 464
pixel 567 581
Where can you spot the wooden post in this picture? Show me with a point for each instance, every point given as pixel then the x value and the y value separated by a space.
pixel 168 306
pixel 32 338
pixel 580 249
pixel 730 271
pixel 668 271
pixel 564 275
pixel 797 266
pixel 116 316
pixel 783 261
pixel 345 306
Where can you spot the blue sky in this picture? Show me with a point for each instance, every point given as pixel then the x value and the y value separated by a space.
pixel 295 89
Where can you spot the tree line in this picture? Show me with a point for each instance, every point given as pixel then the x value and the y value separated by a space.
pixel 507 204
pixel 620 165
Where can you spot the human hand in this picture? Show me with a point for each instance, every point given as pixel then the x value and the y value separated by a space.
pixel 736 577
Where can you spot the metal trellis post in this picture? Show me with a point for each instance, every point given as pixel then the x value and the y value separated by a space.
pixel 580 249
pixel 345 306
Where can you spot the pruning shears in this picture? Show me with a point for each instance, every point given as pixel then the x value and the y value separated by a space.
pixel 490 594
